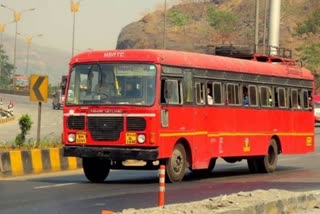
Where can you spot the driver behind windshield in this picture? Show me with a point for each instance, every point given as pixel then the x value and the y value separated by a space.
pixel 105 86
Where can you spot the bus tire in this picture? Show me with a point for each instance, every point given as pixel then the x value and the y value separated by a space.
pixel 96 170
pixel 252 165
pixel 176 164
pixel 268 163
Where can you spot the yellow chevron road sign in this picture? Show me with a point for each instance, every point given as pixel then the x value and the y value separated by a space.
pixel 39 88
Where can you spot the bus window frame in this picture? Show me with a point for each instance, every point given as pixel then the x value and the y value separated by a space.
pixel 200 93
pixel 221 92
pixel 294 99
pixel 165 99
pixel 256 95
pixel 285 97
pixel 267 104
pixel 236 93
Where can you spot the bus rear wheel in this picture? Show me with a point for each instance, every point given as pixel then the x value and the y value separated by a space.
pixel 176 164
pixel 96 170
pixel 268 163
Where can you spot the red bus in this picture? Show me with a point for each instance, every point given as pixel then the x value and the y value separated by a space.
pixel 168 119
pixel 316 107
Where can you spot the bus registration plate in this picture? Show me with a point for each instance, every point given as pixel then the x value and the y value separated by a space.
pixel 131 138
pixel 81 137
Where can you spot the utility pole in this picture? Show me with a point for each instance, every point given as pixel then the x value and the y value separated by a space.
pixel 266 6
pixel 274 33
pixel 164 24
pixel 256 38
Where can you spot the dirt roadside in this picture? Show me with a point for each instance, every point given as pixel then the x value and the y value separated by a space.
pixel 271 201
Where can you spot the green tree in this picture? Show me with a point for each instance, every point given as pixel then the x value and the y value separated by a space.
pixel 5 69
pixel 310 51
pixel 309 54
pixel 309 26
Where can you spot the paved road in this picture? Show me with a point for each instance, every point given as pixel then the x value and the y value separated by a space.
pixel 51 120
pixel 69 192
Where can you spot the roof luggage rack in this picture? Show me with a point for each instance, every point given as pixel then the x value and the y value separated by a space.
pixel 238 51
pixel 270 54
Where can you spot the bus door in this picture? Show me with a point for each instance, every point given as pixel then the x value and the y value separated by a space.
pixel 171 105
pixel 201 125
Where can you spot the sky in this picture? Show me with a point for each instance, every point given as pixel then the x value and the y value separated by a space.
pixel 97 23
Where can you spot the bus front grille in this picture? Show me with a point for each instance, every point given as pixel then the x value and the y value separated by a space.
pixel 136 124
pixel 76 122
pixel 105 128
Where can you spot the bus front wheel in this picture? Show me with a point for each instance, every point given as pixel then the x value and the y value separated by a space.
pixel 96 170
pixel 176 164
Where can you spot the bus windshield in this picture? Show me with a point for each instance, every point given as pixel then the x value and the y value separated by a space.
pixel 112 84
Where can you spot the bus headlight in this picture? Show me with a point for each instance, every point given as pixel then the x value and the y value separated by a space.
pixel 71 138
pixel 141 138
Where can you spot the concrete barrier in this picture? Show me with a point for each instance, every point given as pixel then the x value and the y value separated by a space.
pixel 35 161
pixel 7 119
pixel 271 201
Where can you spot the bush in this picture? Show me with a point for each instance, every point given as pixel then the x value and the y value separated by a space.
pixel 25 124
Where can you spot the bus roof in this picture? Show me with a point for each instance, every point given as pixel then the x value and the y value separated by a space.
pixel 195 60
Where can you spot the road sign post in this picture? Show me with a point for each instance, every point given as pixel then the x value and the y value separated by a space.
pixel 39 93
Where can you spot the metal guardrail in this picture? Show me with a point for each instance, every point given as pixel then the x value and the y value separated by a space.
pixel 15 92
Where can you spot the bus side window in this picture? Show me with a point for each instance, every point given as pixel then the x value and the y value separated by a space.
pixel 163 100
pixel 217 93
pixel 209 94
pixel 265 93
pixel 276 101
pixel 253 95
pixel 282 97
pixel 200 93
pixel 294 99
pixel 305 99
pixel 232 94
pixel 310 101
pixel 171 92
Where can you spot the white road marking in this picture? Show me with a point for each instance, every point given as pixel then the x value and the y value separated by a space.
pixel 53 186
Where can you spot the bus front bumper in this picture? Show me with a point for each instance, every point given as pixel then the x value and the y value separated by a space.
pixel 112 153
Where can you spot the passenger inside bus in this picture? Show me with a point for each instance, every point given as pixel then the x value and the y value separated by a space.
pixel 245 101
pixel 310 102
pixel 209 96
pixel 131 90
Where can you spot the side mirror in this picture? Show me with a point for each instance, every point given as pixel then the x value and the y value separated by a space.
pixel 63 84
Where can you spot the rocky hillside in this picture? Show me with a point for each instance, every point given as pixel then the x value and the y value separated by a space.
pixel 191 27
